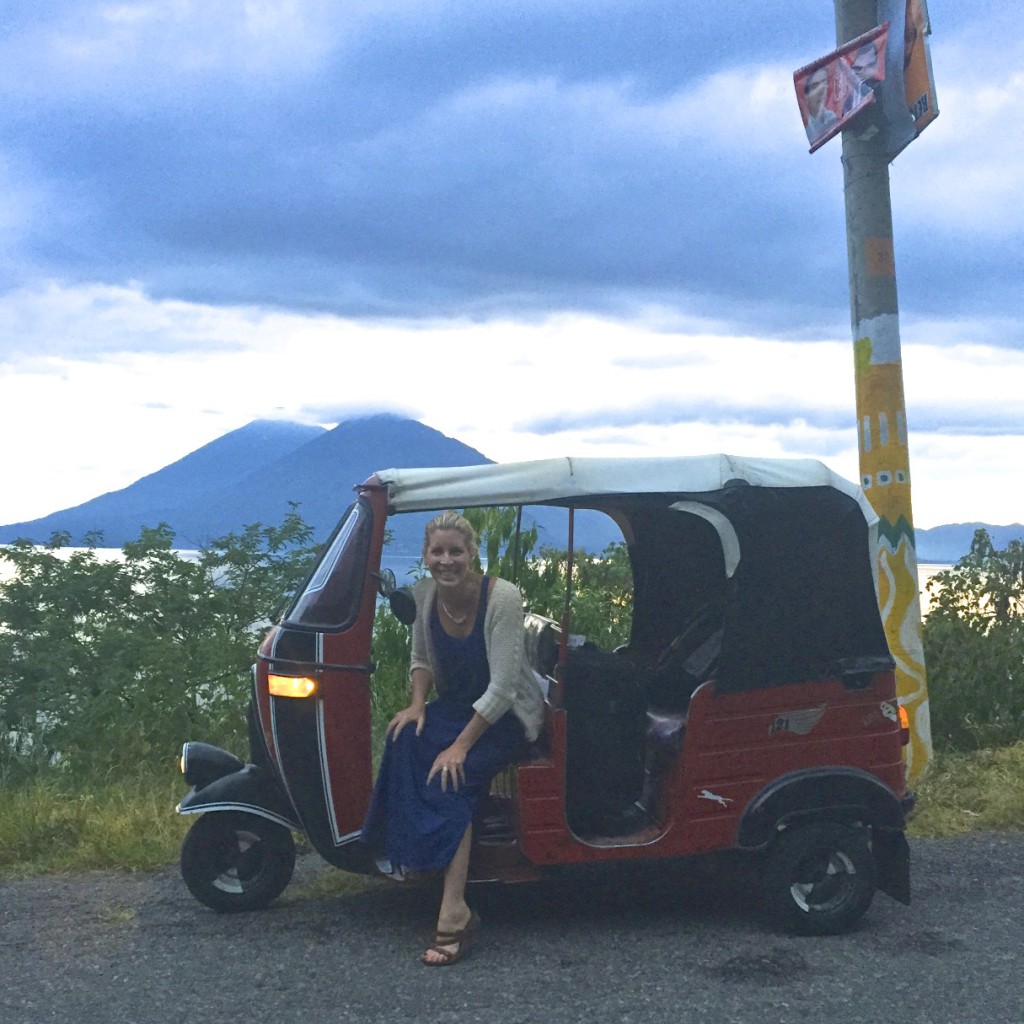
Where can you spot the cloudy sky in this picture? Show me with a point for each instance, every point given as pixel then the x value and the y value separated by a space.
pixel 545 227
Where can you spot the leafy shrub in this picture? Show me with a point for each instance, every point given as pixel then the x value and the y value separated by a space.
pixel 390 690
pixel 974 648
pixel 114 663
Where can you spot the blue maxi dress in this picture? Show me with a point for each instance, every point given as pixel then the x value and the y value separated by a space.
pixel 416 826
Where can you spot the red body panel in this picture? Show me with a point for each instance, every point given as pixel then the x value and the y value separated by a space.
pixel 333 744
pixel 734 746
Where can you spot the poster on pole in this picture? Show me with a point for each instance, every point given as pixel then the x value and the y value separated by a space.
pixel 915 59
pixel 834 89
pixel 885 66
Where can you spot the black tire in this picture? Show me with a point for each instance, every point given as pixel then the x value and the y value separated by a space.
pixel 819 879
pixel 233 861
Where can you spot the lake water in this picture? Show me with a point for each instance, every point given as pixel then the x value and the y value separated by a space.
pixel 403 566
pixel 925 571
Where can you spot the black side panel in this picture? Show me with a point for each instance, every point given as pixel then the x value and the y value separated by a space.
pixel 804 605
pixel 678 569
pixel 298 737
pixel 295 645
pixel 607 720
pixel 801 603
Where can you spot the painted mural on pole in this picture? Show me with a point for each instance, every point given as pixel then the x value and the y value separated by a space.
pixel 885 477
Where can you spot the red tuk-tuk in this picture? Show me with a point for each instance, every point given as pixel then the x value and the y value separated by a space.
pixel 753 708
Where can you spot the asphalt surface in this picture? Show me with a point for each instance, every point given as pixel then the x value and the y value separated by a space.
pixel 656 944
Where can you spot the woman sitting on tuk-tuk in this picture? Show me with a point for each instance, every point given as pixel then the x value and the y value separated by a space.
pixel 467 645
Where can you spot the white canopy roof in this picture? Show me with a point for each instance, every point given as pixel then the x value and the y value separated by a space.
pixel 565 479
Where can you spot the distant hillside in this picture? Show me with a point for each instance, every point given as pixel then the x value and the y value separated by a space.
pixel 950 543
pixel 322 474
pixel 191 482
pixel 250 475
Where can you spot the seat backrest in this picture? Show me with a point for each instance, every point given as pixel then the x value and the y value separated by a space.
pixel 689 660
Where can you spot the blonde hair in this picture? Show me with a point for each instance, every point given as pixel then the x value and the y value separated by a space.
pixel 451 520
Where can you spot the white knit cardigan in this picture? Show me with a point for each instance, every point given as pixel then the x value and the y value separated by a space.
pixel 512 686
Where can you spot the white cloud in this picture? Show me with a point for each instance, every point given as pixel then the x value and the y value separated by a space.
pixel 960 386
pixel 133 52
pixel 90 322
pixel 964 173
pixel 745 110
pixel 565 385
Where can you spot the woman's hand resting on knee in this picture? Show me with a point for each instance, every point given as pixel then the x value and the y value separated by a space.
pixel 413 714
pixel 450 766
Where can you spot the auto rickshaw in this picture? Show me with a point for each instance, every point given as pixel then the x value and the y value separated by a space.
pixel 752 709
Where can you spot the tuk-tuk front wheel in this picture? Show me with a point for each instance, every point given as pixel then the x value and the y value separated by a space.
pixel 819 878
pixel 233 861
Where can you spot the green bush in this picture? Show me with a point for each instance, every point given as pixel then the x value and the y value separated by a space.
pixel 54 822
pixel 389 692
pixel 111 664
pixel 974 648
pixel 969 791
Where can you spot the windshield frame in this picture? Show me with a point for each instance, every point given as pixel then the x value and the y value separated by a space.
pixel 331 597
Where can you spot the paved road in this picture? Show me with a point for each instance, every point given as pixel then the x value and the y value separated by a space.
pixel 629 946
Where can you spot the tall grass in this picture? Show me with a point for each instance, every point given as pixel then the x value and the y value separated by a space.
pixel 53 824
pixel 974 791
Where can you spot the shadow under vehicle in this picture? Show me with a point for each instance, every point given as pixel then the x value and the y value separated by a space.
pixel 752 709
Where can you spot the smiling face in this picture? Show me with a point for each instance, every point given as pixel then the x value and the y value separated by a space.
pixel 447 557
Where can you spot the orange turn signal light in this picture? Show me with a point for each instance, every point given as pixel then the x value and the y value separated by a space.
pixel 904 725
pixel 291 686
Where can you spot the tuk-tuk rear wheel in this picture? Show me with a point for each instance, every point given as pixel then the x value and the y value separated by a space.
pixel 234 861
pixel 819 878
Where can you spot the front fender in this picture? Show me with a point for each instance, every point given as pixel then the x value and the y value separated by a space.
pixel 250 789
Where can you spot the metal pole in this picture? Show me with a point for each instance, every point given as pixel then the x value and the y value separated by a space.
pixel 881 409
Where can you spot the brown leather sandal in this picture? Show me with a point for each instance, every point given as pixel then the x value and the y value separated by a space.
pixel 460 939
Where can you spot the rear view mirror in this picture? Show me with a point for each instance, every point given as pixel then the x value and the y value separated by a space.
pixel 403 605
pixel 386 582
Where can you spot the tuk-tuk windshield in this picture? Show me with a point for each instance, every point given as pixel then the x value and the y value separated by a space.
pixel 330 599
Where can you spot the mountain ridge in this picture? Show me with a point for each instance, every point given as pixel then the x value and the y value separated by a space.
pixel 255 473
